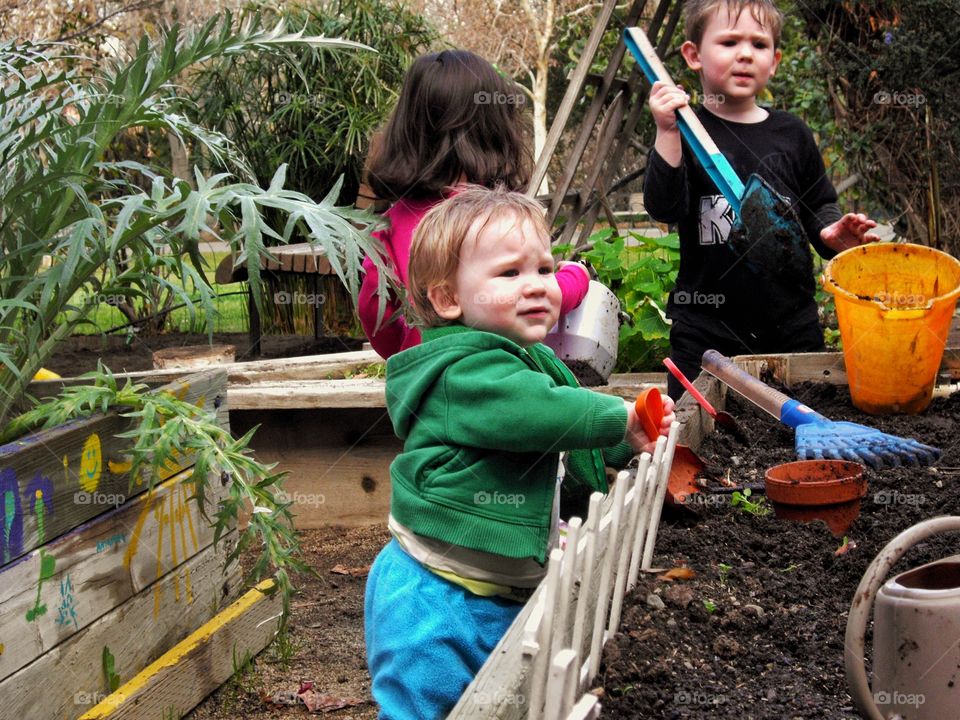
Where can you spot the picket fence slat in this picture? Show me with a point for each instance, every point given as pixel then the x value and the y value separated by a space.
pixel 559 636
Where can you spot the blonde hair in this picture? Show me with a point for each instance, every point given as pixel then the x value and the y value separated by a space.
pixel 438 240
pixel 697 13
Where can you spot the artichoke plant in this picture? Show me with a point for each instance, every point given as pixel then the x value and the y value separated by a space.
pixel 78 223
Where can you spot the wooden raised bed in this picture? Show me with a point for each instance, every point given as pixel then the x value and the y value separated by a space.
pixel 502 688
pixel 93 568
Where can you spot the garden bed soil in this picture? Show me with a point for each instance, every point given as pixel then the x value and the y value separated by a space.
pixel 758 632
pixel 326 638
pixel 79 354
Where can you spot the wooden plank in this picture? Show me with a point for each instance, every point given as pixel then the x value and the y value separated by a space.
pixel 305 394
pixel 338 460
pixel 570 96
pixel 84 574
pixel 68 680
pixel 54 480
pixel 305 367
pixel 178 680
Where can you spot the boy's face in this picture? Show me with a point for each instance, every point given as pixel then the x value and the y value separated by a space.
pixel 736 57
pixel 505 282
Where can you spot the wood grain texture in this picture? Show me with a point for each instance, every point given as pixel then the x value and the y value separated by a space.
pixel 55 480
pixel 99 566
pixel 178 680
pixel 68 680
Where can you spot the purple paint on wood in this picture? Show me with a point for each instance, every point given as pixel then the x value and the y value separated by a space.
pixel 11 515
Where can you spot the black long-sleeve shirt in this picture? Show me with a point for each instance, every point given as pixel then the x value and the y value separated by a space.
pixel 712 284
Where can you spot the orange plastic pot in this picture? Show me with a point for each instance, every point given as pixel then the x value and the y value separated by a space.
pixel 827 490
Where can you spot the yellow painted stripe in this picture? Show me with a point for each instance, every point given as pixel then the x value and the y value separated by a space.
pixel 178 652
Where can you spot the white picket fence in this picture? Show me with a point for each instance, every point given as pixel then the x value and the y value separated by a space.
pixel 551 654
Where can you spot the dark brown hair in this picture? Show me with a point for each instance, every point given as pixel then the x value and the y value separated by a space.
pixel 697 13
pixel 456 116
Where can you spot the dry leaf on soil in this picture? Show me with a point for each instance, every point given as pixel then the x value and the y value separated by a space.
pixel 353 572
pixel 678 573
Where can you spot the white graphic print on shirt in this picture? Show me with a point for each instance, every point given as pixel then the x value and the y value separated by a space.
pixel 716 219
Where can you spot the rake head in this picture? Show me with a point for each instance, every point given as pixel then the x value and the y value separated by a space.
pixel 850 441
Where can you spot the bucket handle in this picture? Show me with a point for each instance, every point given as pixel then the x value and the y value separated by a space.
pixel 854 641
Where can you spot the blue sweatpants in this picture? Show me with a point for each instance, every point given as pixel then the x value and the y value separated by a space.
pixel 426 637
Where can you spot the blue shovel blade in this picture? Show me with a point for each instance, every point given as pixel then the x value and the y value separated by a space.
pixel 768 234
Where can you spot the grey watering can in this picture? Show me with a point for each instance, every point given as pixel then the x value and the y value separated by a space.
pixel 586 338
pixel 916 633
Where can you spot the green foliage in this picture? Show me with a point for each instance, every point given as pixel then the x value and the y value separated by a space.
pixel 79 222
pixel 758 507
pixel 75 224
pixel 892 70
pixel 111 679
pixel 710 606
pixel 641 271
pixel 316 115
pixel 167 427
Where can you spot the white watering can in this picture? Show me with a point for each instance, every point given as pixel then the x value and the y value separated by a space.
pixel 586 338
pixel 916 633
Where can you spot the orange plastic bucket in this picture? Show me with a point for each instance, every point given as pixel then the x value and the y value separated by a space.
pixel 894 305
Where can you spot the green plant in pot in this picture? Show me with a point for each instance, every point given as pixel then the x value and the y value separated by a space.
pixel 78 221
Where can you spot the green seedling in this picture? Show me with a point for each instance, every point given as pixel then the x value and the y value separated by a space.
pixel 710 606
pixel 742 500
pixel 109 670
pixel 724 570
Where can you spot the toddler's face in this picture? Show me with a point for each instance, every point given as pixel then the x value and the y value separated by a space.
pixel 736 57
pixel 505 281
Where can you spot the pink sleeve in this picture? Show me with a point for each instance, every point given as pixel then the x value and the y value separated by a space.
pixel 389 338
pixel 574 283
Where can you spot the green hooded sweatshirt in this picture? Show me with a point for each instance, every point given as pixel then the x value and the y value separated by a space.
pixel 483 422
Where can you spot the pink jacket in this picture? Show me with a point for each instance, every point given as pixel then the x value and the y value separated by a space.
pixel 394 334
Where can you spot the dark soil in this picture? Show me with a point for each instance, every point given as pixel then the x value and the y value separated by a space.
pixel 79 354
pixel 758 632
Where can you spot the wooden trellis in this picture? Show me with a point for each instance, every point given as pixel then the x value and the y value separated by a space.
pixel 613 114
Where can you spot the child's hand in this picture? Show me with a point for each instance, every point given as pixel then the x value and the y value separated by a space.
pixel 637 437
pixel 565 263
pixel 664 101
pixel 849 231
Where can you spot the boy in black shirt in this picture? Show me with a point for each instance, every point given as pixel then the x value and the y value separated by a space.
pixel 720 301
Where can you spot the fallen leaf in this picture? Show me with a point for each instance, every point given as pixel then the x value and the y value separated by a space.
pixel 321 703
pixel 353 572
pixel 847 546
pixel 283 698
pixel 677 573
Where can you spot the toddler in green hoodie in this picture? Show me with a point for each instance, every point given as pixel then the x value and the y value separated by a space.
pixel 485 411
